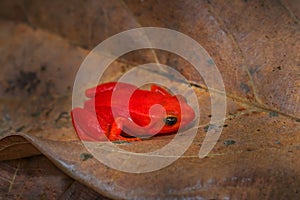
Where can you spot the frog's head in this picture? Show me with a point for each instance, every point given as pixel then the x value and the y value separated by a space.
pixel 177 114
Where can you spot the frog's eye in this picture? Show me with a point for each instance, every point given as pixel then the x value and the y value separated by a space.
pixel 170 120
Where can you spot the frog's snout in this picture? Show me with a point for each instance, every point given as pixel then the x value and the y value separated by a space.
pixel 188 114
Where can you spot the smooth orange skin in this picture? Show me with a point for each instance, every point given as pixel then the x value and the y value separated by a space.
pixel 108 116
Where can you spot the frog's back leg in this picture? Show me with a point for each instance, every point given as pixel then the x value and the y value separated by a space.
pixel 87 126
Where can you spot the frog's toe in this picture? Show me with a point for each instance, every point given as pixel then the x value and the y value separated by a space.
pixel 121 138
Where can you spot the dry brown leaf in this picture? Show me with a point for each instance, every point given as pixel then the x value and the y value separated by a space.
pixel 255 45
pixel 38 178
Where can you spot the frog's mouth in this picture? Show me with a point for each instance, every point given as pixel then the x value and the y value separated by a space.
pixel 160 126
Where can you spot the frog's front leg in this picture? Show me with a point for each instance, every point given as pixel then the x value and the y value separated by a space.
pixel 116 130
pixel 87 125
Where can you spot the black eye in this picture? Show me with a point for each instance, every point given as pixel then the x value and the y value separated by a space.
pixel 170 120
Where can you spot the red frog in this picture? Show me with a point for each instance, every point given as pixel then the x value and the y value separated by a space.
pixel 115 119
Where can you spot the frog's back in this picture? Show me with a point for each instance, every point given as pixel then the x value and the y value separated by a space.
pixel 110 100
